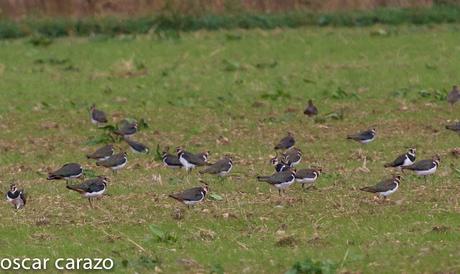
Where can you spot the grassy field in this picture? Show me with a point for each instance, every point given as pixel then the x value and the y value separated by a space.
pixel 236 92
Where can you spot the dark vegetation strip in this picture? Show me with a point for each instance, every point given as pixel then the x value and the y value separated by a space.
pixel 59 27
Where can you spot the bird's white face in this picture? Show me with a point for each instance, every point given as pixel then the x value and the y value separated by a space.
pixel 13 188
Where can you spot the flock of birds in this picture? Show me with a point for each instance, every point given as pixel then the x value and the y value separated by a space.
pixel 284 164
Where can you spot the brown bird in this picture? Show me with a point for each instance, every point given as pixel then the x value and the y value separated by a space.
pixel 286 143
pixel 311 109
pixel 454 95
pixel 101 153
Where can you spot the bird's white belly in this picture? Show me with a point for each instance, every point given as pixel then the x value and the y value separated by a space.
pixel 367 141
pixel 407 162
pixel 186 164
pixel 94 121
pixel 425 172
pixel 306 180
pixel 76 176
pixel 94 194
pixel 389 192
pixel 284 185
pixel 296 163
pixel 192 202
pixel 120 166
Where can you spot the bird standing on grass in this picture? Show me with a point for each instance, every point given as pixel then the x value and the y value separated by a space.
pixel 136 147
pixel 114 162
pixel 126 128
pixel 292 156
pixel 189 160
pixel 16 197
pixel 191 196
pixel 311 109
pixel 220 168
pixel 402 160
pixel 425 167
pixel 384 188
pixel 66 172
pixel 97 116
pixel 101 153
pixel 92 188
pixel 363 137
pixel 281 180
pixel 286 143
pixel 307 177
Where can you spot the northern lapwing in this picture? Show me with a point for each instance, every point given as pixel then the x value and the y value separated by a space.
pixel 281 180
pixel 454 127
pixel 92 188
pixel 102 153
pixel 114 162
pixel 97 116
pixel 454 95
pixel 126 128
pixel 406 159
pixel 292 156
pixel 191 196
pixel 286 143
pixel 279 164
pixel 311 109
pixel 363 137
pixel 189 160
pixel 425 167
pixel 220 168
pixel 384 188
pixel 136 147
pixel 16 197
pixel 307 177
pixel 66 172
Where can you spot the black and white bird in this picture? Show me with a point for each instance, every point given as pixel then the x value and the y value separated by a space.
pixel 191 196
pixel 454 95
pixel 92 188
pixel 189 160
pixel 136 147
pixel 286 143
pixel 220 168
pixel 114 162
pixel 66 172
pixel 402 160
pixel 281 180
pixel 311 109
pixel 307 177
pixel 385 187
pixel 102 153
pixel 363 137
pixel 425 167
pixel 454 127
pixel 16 197
pixel 292 156
pixel 126 128
pixel 279 164
pixel 97 116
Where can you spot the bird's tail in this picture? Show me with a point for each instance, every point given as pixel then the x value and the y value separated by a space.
pixel 367 189
pixel 262 178
pixel 388 165
pixel 52 176
pixel 174 197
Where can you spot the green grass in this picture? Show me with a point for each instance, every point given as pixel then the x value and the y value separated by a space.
pixel 249 87
pixel 169 22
